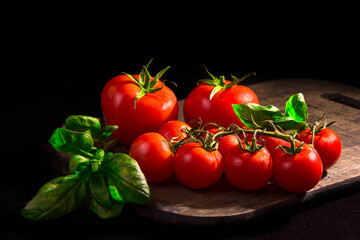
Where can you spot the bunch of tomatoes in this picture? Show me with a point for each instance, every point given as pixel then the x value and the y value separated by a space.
pixel 146 111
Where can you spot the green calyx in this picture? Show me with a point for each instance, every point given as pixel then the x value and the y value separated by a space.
pixel 293 149
pixel 219 83
pixel 145 83
pixel 253 147
pixel 315 128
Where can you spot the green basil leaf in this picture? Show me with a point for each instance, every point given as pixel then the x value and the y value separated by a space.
pixel 99 189
pixel 296 108
pixel 108 130
pixel 256 116
pixel 81 123
pixel 72 142
pixel 287 123
pixel 125 180
pixel 56 198
pixel 106 213
pixel 75 160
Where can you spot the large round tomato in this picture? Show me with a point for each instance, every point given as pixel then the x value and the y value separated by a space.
pixel 297 173
pixel 327 143
pixel 154 156
pixel 197 168
pixel 198 105
pixel 248 171
pixel 134 118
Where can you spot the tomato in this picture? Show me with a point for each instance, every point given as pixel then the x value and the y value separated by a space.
pixel 327 143
pixel 174 130
pixel 197 168
pixel 227 143
pixel 147 114
pixel 248 171
pixel 154 156
pixel 271 143
pixel 297 173
pixel 219 109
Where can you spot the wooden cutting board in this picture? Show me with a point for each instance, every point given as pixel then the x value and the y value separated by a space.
pixel 171 202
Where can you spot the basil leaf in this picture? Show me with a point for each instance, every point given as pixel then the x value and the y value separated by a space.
pixel 99 189
pixel 56 198
pixel 125 180
pixel 81 123
pixel 106 213
pixel 68 141
pixel 287 123
pixel 108 130
pixel 75 160
pixel 296 108
pixel 255 116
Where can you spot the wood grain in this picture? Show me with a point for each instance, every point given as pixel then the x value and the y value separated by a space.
pixel 171 202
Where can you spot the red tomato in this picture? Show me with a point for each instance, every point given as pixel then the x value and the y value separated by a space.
pixel 154 156
pixel 219 110
pixel 151 111
pixel 197 168
pixel 174 130
pixel 327 143
pixel 248 171
pixel 271 143
pixel 227 143
pixel 297 173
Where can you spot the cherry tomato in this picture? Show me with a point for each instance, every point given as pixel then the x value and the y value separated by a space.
pixel 271 143
pixel 227 143
pixel 219 110
pixel 174 130
pixel 197 168
pixel 154 156
pixel 149 113
pixel 297 173
pixel 327 143
pixel 248 171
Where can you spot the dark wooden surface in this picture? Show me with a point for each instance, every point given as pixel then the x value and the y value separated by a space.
pixel 171 202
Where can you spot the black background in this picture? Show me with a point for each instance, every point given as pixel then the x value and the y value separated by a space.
pixel 58 55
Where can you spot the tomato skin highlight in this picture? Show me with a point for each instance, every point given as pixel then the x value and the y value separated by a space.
pixel 150 112
pixel 327 143
pixel 154 156
pixel 248 171
pixel 197 168
pixel 174 130
pixel 297 173
pixel 219 110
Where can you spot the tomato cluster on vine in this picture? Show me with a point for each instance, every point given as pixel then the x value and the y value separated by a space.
pixel 249 159
pixel 250 144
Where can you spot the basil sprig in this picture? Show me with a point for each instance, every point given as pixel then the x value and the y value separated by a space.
pixel 110 179
pixel 255 116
